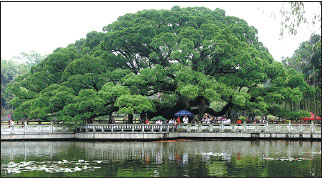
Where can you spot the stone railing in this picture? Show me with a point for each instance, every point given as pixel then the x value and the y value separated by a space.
pixel 229 128
pixel 164 128
pixel 251 128
pixel 126 128
pixel 35 129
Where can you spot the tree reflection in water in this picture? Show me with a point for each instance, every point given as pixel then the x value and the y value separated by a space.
pixel 162 159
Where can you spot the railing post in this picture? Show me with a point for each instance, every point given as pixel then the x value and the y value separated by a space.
pixel 312 127
pixel 200 127
pixel 211 128
pixel 66 130
pixel 51 127
pixel 266 126
pixel 245 126
pixel 25 128
pixel 188 128
pixel 222 127
pixel 143 128
pixel 152 128
pixel 168 128
pixel 112 130
pixel 94 129
pixel 132 128
pixel 12 129
pixel 289 126
pixel 256 127
pixel 301 129
pixel 122 128
pixel 161 127
pixel 38 127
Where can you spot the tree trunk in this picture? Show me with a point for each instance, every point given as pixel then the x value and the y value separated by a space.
pixel 202 108
pixel 229 113
pixel 315 100
pixel 130 119
pixel 110 118
pixel 143 116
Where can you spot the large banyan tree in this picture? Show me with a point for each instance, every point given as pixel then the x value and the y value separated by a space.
pixel 157 62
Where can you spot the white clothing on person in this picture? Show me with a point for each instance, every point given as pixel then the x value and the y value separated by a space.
pixel 185 120
pixel 204 120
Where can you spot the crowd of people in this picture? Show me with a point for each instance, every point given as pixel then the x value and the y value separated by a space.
pixel 207 119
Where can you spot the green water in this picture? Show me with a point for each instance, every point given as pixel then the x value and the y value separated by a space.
pixel 161 159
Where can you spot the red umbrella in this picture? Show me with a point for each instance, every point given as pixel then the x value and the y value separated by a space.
pixel 312 117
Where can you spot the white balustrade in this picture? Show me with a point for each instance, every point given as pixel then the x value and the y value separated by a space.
pixel 32 129
pixel 161 128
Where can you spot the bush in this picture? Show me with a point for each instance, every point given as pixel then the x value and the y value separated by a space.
pixel 271 117
pixel 158 118
pixel 257 118
pixel 242 118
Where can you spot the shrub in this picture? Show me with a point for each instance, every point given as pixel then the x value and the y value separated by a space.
pixel 257 118
pixel 158 118
pixel 242 118
pixel 271 117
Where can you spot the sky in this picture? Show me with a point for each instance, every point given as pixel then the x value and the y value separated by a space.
pixel 45 26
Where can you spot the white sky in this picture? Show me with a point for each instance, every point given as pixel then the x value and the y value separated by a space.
pixel 45 26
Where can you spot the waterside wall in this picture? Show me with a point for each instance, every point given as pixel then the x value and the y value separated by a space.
pixel 163 132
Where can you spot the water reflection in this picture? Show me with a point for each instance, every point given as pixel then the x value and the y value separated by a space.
pixel 163 159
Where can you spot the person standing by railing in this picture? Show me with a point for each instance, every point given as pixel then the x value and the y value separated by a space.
pixel 185 119
pixel 147 121
pixel 204 119
pixel 194 121
pixel 178 120
pixel 11 123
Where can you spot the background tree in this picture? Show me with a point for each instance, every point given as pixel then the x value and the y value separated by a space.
pixel 294 14
pixel 307 60
pixel 11 69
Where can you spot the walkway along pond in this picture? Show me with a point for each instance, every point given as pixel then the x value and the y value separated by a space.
pixel 162 131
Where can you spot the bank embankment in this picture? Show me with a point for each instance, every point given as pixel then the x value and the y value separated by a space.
pixel 160 136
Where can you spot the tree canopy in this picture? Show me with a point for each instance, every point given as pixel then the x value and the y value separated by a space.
pixel 157 62
pixel 13 68
pixel 307 60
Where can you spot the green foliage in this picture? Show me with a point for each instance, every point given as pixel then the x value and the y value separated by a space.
pixel 156 118
pixel 242 118
pixel 271 117
pixel 87 105
pixel 130 104
pixel 111 92
pixel 258 118
pixel 297 115
pixel 217 105
pixel 190 91
pixel 168 100
pixel 295 15
pixel 12 69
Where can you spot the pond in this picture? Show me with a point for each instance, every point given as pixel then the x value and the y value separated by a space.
pixel 173 158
